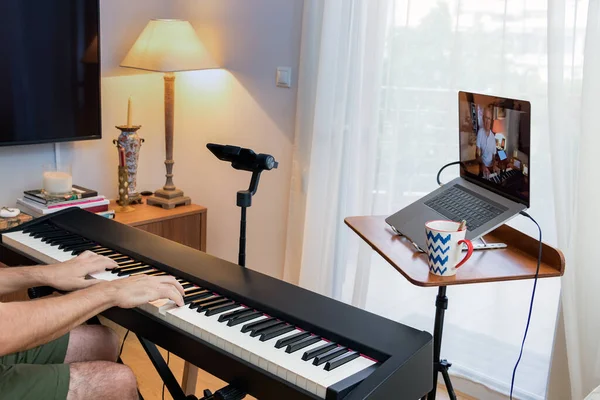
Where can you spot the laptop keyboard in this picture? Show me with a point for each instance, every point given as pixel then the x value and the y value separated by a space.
pixel 458 203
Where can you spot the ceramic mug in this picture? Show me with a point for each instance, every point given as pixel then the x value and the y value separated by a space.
pixel 444 247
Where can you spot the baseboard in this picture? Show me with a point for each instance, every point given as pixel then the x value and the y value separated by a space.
pixel 481 386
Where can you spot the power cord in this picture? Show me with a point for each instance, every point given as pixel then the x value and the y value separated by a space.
pixel 443 168
pixel 123 343
pixel 537 271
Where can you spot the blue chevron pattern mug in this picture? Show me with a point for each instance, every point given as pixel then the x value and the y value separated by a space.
pixel 444 247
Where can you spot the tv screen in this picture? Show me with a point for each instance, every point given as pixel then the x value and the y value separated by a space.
pixel 49 71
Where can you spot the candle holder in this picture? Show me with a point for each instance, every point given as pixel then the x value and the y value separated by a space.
pixel 123 199
pixel 131 142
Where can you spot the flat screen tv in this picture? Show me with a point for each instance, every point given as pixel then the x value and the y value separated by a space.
pixel 49 71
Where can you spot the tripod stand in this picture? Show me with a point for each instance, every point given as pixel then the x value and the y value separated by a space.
pixel 245 160
pixel 244 200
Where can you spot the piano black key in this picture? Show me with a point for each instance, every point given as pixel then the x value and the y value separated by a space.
pixel 52 235
pixel 209 297
pixel 259 330
pixel 197 296
pixel 253 325
pixel 302 344
pixel 141 272
pixel 130 271
pixel 222 308
pixel 233 314
pixel 78 245
pixel 41 233
pixel 119 258
pixel 338 362
pixel 292 339
pixel 114 255
pixel 206 306
pixel 104 252
pixel 322 359
pixel 46 238
pixel 318 351
pixel 39 228
pixel 157 273
pixel 195 290
pixel 78 250
pixel 244 318
pixel 64 245
pixel 128 265
pixel 188 285
pixel 88 246
pixel 275 331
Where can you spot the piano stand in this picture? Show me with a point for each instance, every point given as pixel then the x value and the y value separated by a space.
pixel 164 371
pixel 229 392
pixel 441 304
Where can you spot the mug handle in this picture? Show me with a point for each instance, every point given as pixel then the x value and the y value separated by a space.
pixel 469 251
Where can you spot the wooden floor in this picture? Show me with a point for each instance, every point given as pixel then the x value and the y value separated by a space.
pixel 151 386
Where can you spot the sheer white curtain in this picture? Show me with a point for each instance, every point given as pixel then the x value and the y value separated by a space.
pixel 377 118
pixel 574 84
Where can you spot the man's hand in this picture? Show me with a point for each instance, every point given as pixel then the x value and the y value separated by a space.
pixel 486 173
pixel 70 275
pixel 137 290
pixel 496 169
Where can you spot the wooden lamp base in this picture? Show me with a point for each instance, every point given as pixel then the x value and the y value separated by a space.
pixel 168 199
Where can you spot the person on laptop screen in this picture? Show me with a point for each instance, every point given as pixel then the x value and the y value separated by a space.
pixel 486 145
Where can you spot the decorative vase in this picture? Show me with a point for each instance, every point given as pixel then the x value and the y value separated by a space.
pixel 131 142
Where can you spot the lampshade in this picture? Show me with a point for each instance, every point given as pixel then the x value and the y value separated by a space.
pixel 168 45
pixel 498 126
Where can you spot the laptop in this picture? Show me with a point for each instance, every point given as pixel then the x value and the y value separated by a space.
pixel 494 145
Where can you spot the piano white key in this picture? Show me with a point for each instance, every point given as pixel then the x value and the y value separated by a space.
pixel 262 354
pixel 35 247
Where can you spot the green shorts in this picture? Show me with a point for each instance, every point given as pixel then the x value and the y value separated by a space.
pixel 38 373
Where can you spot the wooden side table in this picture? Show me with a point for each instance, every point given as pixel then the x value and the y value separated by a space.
pixel 183 224
pixel 517 261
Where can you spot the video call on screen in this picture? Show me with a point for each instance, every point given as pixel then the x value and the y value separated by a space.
pixel 495 142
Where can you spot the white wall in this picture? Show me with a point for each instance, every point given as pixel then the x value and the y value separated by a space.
pixel 240 105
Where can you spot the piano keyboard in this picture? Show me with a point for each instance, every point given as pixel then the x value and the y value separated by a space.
pixel 306 360
pixel 501 177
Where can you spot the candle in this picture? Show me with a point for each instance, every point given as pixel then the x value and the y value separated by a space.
pixel 129 112
pixel 57 182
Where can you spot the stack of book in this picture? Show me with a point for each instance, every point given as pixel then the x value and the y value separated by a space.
pixel 38 203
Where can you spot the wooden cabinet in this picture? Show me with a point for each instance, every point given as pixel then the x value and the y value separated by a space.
pixel 184 224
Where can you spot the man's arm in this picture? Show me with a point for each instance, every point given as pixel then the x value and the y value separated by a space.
pixel 31 323
pixel 69 275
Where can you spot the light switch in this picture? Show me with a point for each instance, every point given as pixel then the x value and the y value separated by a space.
pixel 284 77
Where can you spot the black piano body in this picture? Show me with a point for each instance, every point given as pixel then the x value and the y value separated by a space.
pixel 404 354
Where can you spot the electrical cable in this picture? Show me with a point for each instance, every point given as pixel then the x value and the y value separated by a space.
pixel 443 168
pixel 537 271
pixel 123 343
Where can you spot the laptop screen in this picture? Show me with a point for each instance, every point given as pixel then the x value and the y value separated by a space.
pixel 495 138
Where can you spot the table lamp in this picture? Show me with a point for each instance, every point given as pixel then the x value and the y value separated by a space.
pixel 169 46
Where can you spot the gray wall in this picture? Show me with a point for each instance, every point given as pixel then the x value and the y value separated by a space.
pixel 240 105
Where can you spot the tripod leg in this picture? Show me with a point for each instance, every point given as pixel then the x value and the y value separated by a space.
pixel 441 304
pixel 242 253
pixel 448 382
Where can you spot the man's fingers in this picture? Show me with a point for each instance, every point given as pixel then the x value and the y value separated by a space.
pixel 172 281
pixel 169 291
